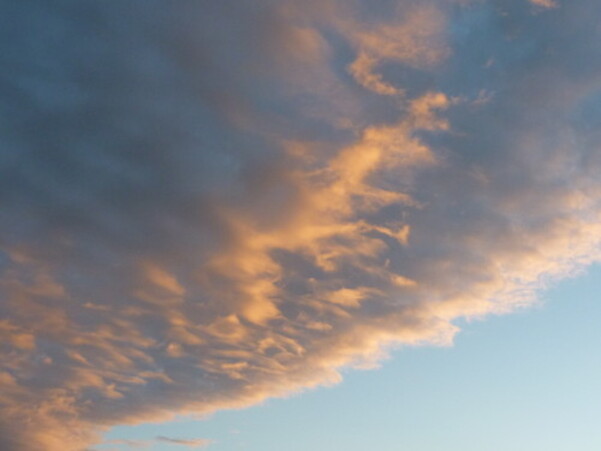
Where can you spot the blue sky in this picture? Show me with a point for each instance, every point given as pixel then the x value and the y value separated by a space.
pixel 515 382
pixel 207 206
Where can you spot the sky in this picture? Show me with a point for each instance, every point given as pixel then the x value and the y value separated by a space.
pixel 209 206
pixel 511 382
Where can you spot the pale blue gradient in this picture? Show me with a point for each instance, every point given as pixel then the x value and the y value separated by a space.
pixel 529 381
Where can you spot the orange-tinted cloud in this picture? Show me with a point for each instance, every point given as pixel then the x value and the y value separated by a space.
pixel 214 205
pixel 544 3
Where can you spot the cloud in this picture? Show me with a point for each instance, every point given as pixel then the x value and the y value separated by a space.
pixel 417 41
pixel 544 3
pixel 195 443
pixel 137 444
pixel 207 206
pixel 192 443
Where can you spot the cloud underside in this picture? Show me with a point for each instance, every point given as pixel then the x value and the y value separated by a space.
pixel 207 206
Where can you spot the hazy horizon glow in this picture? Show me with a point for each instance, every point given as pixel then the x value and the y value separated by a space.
pixel 207 205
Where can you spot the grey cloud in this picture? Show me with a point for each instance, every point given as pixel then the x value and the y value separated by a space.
pixel 201 207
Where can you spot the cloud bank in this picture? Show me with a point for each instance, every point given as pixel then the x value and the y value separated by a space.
pixel 207 204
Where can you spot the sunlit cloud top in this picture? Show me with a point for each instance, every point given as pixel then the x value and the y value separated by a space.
pixel 207 204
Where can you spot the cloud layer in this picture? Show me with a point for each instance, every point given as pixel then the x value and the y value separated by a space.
pixel 204 205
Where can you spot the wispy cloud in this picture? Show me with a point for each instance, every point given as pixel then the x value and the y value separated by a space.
pixel 204 206
pixel 545 3
pixel 195 443
pixel 135 444
pixel 192 443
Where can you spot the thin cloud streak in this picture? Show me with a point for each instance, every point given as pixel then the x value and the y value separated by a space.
pixel 191 443
pixel 135 444
pixel 545 3
pixel 206 205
